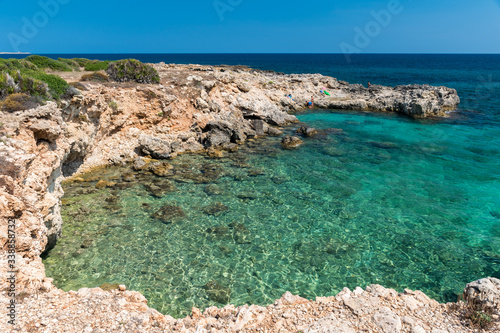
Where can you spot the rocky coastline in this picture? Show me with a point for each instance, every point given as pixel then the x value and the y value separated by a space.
pixel 204 109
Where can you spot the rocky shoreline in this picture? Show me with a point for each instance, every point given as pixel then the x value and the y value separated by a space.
pixel 195 108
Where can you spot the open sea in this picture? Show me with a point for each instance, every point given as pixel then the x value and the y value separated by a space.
pixel 383 199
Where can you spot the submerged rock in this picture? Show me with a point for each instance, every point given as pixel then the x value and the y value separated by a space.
pixel 103 184
pixel 161 169
pixel 307 131
pixel 291 142
pixel 215 209
pixel 213 189
pixel 217 292
pixel 169 213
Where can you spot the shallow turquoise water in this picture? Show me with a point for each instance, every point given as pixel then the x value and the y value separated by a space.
pixel 385 200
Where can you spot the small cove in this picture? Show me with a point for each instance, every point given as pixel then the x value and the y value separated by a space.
pixel 372 199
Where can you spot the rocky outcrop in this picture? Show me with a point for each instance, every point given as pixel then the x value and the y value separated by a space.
pixel 485 293
pixel 194 108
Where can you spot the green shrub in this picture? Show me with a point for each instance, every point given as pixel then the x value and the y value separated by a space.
pixel 81 61
pixel 96 65
pixel 113 105
pixel 7 85
pixel 44 63
pixel 71 63
pixel 95 77
pixel 132 70
pixel 57 86
pixel 18 102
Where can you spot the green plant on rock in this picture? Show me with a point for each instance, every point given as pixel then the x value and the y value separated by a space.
pixel 96 65
pixel 113 105
pixel 18 102
pixel 48 63
pixel 131 70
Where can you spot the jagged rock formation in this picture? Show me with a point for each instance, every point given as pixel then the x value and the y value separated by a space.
pixel 194 109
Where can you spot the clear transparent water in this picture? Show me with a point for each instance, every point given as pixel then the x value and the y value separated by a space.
pixel 386 200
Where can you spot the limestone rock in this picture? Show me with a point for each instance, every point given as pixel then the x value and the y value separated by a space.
pixel 485 292
pixel 155 147
pixel 291 142
pixel 388 321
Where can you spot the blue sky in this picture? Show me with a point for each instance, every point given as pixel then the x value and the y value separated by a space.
pixel 234 26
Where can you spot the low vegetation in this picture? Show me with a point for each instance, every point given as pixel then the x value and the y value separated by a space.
pixel 18 102
pixel 48 63
pixel 96 65
pixel 28 82
pixel 131 70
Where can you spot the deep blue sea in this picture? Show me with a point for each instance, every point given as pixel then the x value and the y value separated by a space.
pixel 387 200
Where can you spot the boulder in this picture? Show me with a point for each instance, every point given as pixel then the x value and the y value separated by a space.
pixel 291 142
pixel 155 147
pixel 45 129
pixel 485 293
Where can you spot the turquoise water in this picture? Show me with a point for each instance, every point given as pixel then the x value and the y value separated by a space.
pixel 373 199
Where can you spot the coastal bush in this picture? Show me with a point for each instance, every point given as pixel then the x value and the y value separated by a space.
pixel 71 63
pixel 18 102
pixel 96 65
pixel 57 86
pixel 47 63
pixel 95 77
pixel 131 70
pixel 81 61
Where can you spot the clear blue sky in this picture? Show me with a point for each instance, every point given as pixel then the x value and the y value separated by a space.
pixel 154 26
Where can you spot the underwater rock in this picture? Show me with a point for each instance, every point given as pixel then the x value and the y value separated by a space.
pixel 109 286
pixel 217 292
pixel 247 195
pixel 291 142
pixel 161 169
pixel 383 145
pixel 231 147
pixel 86 243
pixel 218 232
pixel 241 234
pixel 155 190
pixel 307 131
pixel 215 153
pixel 215 209
pixel 211 171
pixel 160 189
pixel 102 184
pixel 140 164
pixel 333 151
pixel 495 214
pixel 256 172
pixel 128 177
pixel 213 189
pixel 169 213
pixel 279 180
